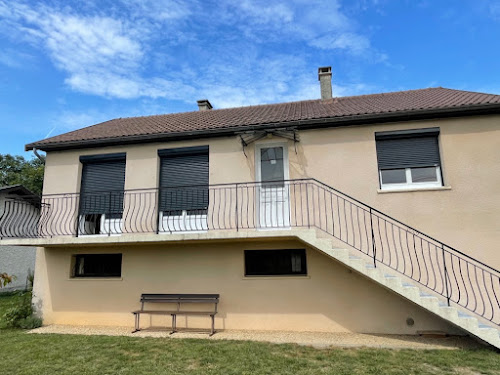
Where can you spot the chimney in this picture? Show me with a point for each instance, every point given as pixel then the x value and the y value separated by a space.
pixel 325 81
pixel 204 105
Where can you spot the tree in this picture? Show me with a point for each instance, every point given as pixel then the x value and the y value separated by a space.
pixel 15 169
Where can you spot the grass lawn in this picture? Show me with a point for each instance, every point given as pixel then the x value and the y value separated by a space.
pixel 23 353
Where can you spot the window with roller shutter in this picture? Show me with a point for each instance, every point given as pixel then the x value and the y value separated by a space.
pixel 409 159
pixel 102 185
pixel 184 180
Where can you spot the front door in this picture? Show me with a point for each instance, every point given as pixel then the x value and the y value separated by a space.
pixel 272 189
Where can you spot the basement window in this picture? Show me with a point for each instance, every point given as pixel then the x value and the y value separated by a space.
pixel 409 159
pixel 97 265
pixel 275 262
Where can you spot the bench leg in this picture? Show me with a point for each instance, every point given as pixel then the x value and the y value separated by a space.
pixel 213 326
pixel 136 323
pixel 174 323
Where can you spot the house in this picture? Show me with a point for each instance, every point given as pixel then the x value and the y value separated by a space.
pixel 15 260
pixel 375 213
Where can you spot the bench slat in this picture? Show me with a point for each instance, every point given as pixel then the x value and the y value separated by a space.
pixel 195 313
pixel 161 312
pixel 179 296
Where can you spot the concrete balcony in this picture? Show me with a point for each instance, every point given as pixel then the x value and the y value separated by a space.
pixel 156 215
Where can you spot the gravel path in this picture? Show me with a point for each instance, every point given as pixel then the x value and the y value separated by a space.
pixel 315 339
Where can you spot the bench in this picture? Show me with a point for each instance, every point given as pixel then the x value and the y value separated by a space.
pixel 178 300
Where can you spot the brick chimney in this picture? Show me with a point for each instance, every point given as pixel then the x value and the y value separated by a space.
pixel 204 105
pixel 325 81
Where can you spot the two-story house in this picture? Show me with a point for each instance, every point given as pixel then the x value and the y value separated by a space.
pixel 375 213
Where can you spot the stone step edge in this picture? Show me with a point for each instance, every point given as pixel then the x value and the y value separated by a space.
pixel 409 291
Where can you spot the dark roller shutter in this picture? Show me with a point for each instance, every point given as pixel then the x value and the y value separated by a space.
pixel 408 150
pixel 184 179
pixel 102 185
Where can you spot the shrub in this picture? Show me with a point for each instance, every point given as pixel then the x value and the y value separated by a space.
pixel 30 322
pixel 21 315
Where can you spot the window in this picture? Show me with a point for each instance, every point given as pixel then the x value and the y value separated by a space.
pixel 97 265
pixel 272 166
pixel 409 159
pixel 184 189
pixel 184 180
pixel 101 193
pixel 275 262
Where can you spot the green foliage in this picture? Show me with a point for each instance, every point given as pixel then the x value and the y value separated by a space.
pixel 21 314
pixel 30 279
pixel 20 311
pixel 15 169
pixel 30 322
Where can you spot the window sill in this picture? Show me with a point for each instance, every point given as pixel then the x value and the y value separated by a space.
pixel 276 277
pixel 413 189
pixel 95 278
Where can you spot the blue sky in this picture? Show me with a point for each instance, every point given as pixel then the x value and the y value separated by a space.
pixel 69 64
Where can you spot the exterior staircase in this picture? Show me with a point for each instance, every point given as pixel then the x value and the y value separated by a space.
pixel 488 333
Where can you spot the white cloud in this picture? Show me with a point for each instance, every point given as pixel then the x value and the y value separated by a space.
pixel 355 43
pixel 71 120
pixel 318 23
pixel 159 10
pixel 263 12
pixel 186 50
pixel 90 49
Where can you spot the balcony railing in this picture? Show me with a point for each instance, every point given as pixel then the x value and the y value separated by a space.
pixel 271 205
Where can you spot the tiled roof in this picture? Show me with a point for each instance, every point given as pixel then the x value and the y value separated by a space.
pixel 376 105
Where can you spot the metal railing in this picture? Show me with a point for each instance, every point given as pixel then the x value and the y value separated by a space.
pixel 267 205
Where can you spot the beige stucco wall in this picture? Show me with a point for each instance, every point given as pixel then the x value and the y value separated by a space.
pixel 227 164
pixel 330 299
pixel 465 214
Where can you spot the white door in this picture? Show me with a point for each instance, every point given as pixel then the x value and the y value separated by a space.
pixel 272 190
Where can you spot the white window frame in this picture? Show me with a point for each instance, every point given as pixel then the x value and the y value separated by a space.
pixel 409 184
pixel 284 221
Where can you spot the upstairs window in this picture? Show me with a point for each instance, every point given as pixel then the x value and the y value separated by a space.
pixel 409 159
pixel 184 181
pixel 101 193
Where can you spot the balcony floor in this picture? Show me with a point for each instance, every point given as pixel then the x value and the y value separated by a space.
pixel 153 238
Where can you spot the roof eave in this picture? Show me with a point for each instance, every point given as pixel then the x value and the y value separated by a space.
pixel 326 122
pixel 17 189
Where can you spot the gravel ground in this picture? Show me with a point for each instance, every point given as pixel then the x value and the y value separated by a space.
pixel 315 339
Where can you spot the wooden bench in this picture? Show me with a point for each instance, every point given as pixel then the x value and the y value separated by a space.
pixel 178 300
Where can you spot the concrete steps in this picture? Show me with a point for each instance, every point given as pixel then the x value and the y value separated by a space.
pixel 416 294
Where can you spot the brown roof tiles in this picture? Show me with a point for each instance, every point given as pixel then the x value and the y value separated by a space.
pixel 180 124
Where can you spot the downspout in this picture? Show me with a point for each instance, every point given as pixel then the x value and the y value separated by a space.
pixel 38 155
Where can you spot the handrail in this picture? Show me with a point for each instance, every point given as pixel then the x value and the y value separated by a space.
pixel 307 202
pixel 406 225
